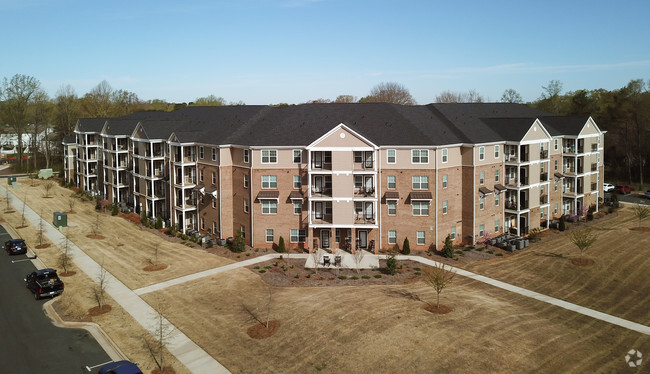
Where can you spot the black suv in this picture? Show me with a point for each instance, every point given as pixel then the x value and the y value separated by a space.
pixel 16 246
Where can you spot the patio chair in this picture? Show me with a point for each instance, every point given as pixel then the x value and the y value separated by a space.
pixel 326 260
pixel 337 260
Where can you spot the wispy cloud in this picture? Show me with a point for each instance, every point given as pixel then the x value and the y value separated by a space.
pixel 298 3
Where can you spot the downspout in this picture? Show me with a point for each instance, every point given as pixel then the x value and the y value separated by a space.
pixel 474 161
pixel 220 196
pixel 250 200
pixel 378 199
pixel 435 214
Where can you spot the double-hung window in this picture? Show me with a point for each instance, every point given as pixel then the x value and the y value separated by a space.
pixel 297 236
pixel 269 235
pixel 420 238
pixel 420 182
pixel 392 237
pixel 214 154
pixel 297 156
pixel 445 155
pixel 392 208
pixel 392 184
pixel 269 156
pixel 297 182
pixel 420 156
pixel 391 158
pixel 481 153
pixel 269 181
pixel 269 207
pixel 420 208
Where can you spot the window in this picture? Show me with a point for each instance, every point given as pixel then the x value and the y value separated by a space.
pixel 337 235
pixel 392 237
pixel 452 234
pixel 214 203
pixel 245 180
pixel 481 203
pixel 269 207
pixel 269 181
pixel 555 165
pixel 202 223
pixel 390 156
pixel 444 181
pixel 444 156
pixel 420 208
pixel 269 235
pixel 481 153
pixel 496 226
pixel 246 156
pixel 420 182
pixel 496 151
pixel 555 209
pixel 496 175
pixel 444 207
pixel 214 154
pixel 481 178
pixel 201 152
pixel 297 236
pixel 556 186
pixel 214 227
pixel 392 208
pixel 555 144
pixel 243 231
pixel 201 175
pixel 297 156
pixel 269 156
pixel 358 157
pixel 481 230
pixel 420 156
pixel 214 178
pixel 297 207
pixel 297 183
pixel 420 238
pixel 392 184
pixel 496 199
pixel 245 206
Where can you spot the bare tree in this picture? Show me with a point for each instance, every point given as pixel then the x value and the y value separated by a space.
pixel 358 257
pixel 345 99
pixel 390 92
pixel 72 201
pixel 156 250
pixel 48 187
pixel 7 199
pixel 439 278
pixel 99 288
pixel 65 257
pixel 157 342
pixel 252 313
pixel 24 205
pixel 66 111
pixel 641 212
pixel 97 224
pixel 583 239
pixel 471 96
pixel 316 255
pixel 41 228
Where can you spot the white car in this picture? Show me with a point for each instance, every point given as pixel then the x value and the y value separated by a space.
pixel 608 187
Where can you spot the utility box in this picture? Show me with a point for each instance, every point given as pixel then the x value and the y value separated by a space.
pixel 60 219
pixel 45 174
pixel 11 180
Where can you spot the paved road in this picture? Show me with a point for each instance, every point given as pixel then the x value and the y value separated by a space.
pixel 29 343
pixel 634 198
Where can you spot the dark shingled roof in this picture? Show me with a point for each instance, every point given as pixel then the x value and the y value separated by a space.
pixel 265 195
pixel 564 125
pixel 91 124
pixel 420 196
pixel 69 140
pixel 391 195
pixel 510 129
pixel 120 126
pixel 295 195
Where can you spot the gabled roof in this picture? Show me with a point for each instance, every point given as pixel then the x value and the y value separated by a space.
pixel 119 127
pixel 69 140
pixel 90 124
pixel 564 125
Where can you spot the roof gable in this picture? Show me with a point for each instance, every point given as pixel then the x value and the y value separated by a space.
pixel 341 136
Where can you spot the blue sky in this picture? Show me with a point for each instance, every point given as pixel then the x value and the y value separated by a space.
pixel 272 51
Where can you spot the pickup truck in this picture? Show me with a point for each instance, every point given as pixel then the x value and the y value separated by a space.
pixel 44 282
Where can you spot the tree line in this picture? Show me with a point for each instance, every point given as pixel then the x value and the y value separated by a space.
pixel 624 113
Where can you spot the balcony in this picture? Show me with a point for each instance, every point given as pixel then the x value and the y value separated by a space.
pixel 318 191
pixel 317 218
pixel 594 147
pixel 185 181
pixel 594 186
pixel 543 154
pixel 511 158
pixel 361 218
pixel 543 199
pixel 594 167
pixel 543 177
pixel 364 191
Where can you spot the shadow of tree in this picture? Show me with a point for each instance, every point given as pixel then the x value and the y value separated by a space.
pixel 402 293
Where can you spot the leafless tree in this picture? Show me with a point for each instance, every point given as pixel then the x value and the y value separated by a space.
pixel 156 343
pixel 99 288
pixel 252 313
pixel 317 256
pixel 65 257
pixel 470 96
pixel 24 205
pixel 41 228
pixel 97 224
pixel 641 212
pixel 72 201
pixel 66 111
pixel 390 92
pixel 345 99
pixel 7 199
pixel 358 257
pixel 48 187
pixel 156 250
pixel 439 278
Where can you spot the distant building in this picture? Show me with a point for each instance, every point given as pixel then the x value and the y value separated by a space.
pixel 344 175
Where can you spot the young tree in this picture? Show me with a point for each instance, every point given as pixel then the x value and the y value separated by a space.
pixel 641 212
pixel 41 228
pixel 281 246
pixel 99 288
pixel 23 214
pixel 65 257
pixel 406 248
pixel 583 239
pixel 7 199
pixel 252 313
pixel 48 187
pixel 156 343
pixel 156 251
pixel 317 256
pixel 97 224
pixel 358 257
pixel 391 263
pixel 72 201
pixel 439 278
pixel 238 245
pixel 448 248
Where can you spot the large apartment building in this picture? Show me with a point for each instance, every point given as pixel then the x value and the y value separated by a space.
pixel 344 175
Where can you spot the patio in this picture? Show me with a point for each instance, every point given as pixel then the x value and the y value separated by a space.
pixel 347 260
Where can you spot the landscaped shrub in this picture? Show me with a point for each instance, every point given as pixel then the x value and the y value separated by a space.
pixel 343 277
pixel 281 246
pixel 365 276
pixel 159 223
pixel 377 276
pixel 448 248
pixel 238 245
pixel 406 247
pixel 116 210
pixel 562 224
pixel 391 264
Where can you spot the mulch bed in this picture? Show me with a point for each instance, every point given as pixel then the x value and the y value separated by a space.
pixel 583 262
pixel 260 331
pixel 434 309
pixel 155 267
pixel 642 229
pixel 68 273
pixel 93 236
pixel 95 311
pixel 41 246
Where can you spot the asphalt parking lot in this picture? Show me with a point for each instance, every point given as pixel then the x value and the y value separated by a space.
pixel 30 342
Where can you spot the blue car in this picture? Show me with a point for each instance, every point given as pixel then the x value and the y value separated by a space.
pixel 120 367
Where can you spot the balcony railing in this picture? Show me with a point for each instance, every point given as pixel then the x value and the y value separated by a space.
pixel 321 191
pixel 594 147
pixel 594 167
pixel 543 177
pixel 543 154
pixel 543 199
pixel 321 218
pixel 594 186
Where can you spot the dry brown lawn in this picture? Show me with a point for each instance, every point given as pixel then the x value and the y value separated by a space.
pixel 385 328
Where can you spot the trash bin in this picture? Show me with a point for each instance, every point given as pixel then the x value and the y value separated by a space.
pixel 60 219
pixel 11 180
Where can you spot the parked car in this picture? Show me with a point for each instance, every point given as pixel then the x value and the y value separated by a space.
pixel 16 246
pixel 120 367
pixel 622 189
pixel 44 282
pixel 608 187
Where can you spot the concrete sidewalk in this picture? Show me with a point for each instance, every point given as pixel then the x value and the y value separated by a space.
pixel 179 345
